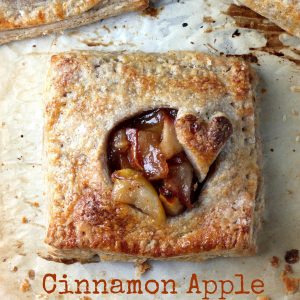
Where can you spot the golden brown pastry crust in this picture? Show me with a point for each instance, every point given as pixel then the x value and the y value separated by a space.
pixel 203 141
pixel 19 14
pixel 284 13
pixel 88 93
pixel 55 16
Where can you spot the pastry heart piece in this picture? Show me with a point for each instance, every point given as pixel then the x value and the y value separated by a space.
pixel 202 141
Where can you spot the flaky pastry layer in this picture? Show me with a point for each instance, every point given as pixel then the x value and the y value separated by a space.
pixel 19 20
pixel 284 13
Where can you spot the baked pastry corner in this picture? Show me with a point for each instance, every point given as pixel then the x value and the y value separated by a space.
pixel 286 14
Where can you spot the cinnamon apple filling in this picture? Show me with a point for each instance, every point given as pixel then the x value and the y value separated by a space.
pixel 149 167
pixel 147 158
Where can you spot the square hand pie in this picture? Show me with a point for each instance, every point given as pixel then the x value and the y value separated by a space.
pixel 21 19
pixel 284 13
pixel 151 156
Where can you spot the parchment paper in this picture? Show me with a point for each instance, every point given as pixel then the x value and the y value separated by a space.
pixel 22 72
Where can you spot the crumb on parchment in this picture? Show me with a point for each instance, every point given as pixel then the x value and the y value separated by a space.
pixel 142 267
pixel 288 269
pixel 24 220
pixel 31 274
pixel 25 286
pixel 19 244
pixel 275 261
pixel 208 19
pixel 291 285
pixel 263 298
pixel 263 90
pixel 14 269
pixel 33 203
pixel 292 256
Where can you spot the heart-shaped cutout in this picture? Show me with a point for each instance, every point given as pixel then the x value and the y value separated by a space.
pixel 202 141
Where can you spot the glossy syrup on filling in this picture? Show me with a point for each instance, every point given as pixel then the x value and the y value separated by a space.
pixel 144 151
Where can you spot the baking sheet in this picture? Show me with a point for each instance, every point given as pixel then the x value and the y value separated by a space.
pixel 22 73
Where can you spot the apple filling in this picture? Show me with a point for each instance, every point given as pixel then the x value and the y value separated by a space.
pixel 148 166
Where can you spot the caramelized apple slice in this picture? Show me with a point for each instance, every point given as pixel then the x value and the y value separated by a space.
pixel 154 162
pixel 169 145
pixel 179 181
pixel 172 205
pixel 145 155
pixel 134 157
pixel 152 121
pixel 131 187
pixel 119 145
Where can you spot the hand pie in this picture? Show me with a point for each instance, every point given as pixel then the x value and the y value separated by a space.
pixel 151 156
pixel 31 18
pixel 284 13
